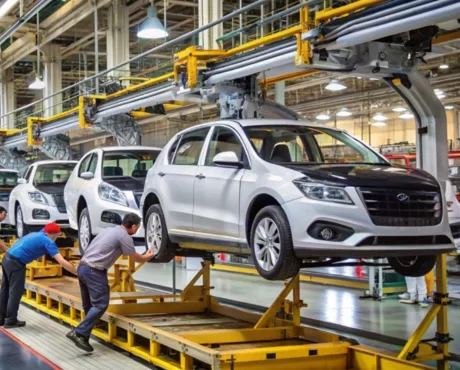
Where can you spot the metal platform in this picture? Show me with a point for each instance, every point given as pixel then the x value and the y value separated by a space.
pixel 193 330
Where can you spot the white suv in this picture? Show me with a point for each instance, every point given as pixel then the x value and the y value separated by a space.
pixel 8 180
pixel 291 194
pixel 39 196
pixel 107 184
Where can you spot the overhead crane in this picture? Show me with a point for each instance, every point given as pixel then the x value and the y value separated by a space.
pixel 343 40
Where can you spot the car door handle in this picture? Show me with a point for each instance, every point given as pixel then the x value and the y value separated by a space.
pixel 161 174
pixel 200 176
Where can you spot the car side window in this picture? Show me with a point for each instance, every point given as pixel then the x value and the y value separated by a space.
pixel 190 147
pixel 172 151
pixel 223 140
pixel 27 174
pixel 84 165
pixel 93 164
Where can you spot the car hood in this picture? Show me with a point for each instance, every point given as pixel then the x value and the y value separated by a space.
pixel 369 176
pixel 127 184
pixel 51 188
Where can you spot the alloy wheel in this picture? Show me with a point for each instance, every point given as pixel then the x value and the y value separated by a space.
pixel 19 223
pixel 84 233
pixel 267 244
pixel 154 233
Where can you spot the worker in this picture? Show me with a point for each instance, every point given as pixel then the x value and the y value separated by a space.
pixel 99 256
pixel 416 292
pixel 24 251
pixel 3 247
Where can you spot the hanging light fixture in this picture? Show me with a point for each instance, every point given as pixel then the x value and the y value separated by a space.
pixel 444 66
pixel 406 116
pixel 449 107
pixel 344 112
pixel 378 124
pixel 335 85
pixel 152 28
pixel 379 117
pixel 323 117
pixel 38 84
pixel 399 109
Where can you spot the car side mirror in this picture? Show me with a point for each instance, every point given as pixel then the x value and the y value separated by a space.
pixel 87 175
pixel 227 159
pixel 22 181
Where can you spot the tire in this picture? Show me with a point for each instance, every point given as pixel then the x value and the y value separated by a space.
pixel 287 265
pixel 414 266
pixel 156 236
pixel 85 233
pixel 22 228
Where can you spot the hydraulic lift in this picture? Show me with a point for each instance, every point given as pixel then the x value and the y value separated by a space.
pixel 192 329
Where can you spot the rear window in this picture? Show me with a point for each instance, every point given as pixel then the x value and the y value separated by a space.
pixel 128 164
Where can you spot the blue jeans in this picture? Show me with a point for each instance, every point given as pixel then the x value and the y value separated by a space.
pixel 13 280
pixel 95 296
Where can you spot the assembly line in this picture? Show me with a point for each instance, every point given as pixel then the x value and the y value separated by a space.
pixel 280 209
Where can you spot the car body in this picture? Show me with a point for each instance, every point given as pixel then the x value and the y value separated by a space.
pixel 8 180
pixel 38 198
pixel 118 173
pixel 232 185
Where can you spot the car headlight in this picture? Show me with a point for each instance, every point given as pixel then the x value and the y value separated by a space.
pixel 322 192
pixel 112 194
pixel 38 197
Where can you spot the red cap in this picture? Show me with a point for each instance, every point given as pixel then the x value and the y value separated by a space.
pixel 52 228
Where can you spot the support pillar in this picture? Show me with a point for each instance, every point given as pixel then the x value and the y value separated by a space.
pixel 7 98
pixel 52 77
pixel 118 37
pixel 210 11
pixel 280 96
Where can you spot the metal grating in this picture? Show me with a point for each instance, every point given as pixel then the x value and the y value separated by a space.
pixel 393 207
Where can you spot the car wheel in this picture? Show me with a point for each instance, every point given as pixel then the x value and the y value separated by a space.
pixel 156 236
pixel 413 266
pixel 271 245
pixel 85 234
pixel 22 228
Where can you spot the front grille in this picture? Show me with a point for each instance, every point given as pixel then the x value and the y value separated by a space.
pixel 138 196
pixel 392 207
pixel 60 204
pixel 405 240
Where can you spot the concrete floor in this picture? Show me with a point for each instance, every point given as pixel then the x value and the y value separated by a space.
pixel 338 306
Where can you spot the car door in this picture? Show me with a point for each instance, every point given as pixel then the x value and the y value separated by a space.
pixel 175 181
pixel 217 190
pixel 73 189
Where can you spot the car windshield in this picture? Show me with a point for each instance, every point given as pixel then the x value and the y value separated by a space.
pixel 8 178
pixel 309 145
pixel 53 173
pixel 133 163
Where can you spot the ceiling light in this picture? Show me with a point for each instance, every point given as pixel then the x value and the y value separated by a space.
pixel 438 92
pixel 152 28
pixel 335 85
pixel 359 78
pixel 374 79
pixel 399 109
pixel 449 107
pixel 378 124
pixel 7 5
pixel 344 112
pixel 380 117
pixel 38 84
pixel 406 116
pixel 444 66
pixel 323 117
pixel 441 96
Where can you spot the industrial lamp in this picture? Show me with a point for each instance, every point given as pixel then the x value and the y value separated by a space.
pixel 335 85
pixel 152 28
pixel 38 84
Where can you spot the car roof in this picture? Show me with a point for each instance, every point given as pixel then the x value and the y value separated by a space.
pixel 38 163
pixel 124 148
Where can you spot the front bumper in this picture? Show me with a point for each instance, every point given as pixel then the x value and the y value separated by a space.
pixel 303 212
pixel 100 207
pixel 54 215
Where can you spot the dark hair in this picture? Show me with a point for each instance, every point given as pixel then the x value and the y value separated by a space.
pixel 2 209
pixel 130 220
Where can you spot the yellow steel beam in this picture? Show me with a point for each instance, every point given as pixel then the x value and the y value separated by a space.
pixel 289 76
pixel 330 13
pixel 156 307
pixel 442 324
pixel 447 37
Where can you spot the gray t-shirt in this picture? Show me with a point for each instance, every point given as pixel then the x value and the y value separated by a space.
pixel 107 247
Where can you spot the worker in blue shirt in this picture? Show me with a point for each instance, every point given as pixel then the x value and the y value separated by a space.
pixel 24 251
